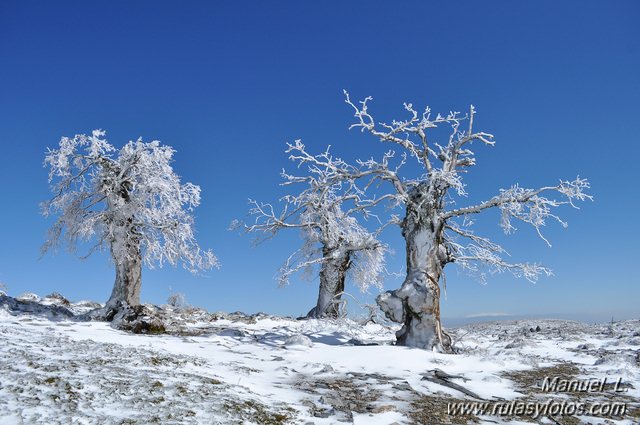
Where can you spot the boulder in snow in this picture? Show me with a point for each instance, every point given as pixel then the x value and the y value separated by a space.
pixel 139 319
pixel 298 340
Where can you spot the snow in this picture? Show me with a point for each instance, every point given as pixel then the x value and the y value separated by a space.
pixel 298 340
pixel 243 369
pixel 378 419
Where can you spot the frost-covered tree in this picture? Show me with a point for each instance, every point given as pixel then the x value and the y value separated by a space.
pixel 129 201
pixel 333 240
pixel 436 230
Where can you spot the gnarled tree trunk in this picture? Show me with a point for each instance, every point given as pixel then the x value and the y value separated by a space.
pixel 126 289
pixel 123 309
pixel 125 251
pixel 334 268
pixel 416 304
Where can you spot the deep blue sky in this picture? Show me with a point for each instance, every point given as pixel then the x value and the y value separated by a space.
pixel 227 84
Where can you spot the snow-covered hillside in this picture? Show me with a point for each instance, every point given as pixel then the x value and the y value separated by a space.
pixel 233 368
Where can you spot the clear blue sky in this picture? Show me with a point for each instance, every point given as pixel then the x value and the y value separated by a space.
pixel 227 84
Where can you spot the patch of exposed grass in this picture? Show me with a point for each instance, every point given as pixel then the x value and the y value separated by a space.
pixel 530 381
pixel 52 380
pixel 434 410
pixel 255 412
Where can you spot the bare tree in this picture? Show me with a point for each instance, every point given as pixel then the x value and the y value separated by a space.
pixel 129 201
pixel 436 231
pixel 333 239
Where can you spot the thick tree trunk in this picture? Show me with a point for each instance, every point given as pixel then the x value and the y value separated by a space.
pixel 123 309
pixel 126 289
pixel 334 268
pixel 125 252
pixel 416 304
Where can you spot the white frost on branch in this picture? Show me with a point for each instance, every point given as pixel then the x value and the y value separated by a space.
pixel 481 257
pixel 529 206
pixel 118 196
pixel 441 185
pixel 319 211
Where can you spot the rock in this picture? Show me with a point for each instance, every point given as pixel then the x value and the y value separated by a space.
pixel 28 296
pixel 88 304
pixel 617 359
pixel 331 400
pixel 538 329
pixel 139 319
pixel 28 305
pixel 58 299
pixel 236 333
pixel 357 342
pixel 325 369
pixel 298 340
pixel 514 344
pixel 324 413
pixel 238 316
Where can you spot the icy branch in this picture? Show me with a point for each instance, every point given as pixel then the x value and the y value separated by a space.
pixel 481 255
pixel 319 210
pixel 528 205
pixel 412 133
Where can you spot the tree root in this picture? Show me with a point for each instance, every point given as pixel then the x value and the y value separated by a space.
pixel 139 319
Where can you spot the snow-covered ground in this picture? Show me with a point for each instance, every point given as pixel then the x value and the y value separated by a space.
pixel 232 368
